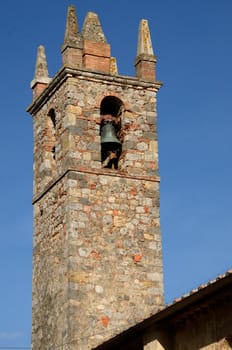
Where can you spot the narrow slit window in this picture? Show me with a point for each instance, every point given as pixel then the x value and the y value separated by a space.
pixel 51 138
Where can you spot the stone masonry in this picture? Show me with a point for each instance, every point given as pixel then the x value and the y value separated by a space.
pixel 97 261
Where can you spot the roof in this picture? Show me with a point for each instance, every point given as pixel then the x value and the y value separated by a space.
pixel 200 297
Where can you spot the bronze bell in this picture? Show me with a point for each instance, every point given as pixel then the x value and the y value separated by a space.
pixel 108 134
pixel 111 147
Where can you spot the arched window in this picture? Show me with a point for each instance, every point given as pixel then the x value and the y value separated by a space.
pixel 110 130
pixel 52 131
pixel 51 138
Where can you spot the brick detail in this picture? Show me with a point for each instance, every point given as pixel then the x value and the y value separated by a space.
pixel 72 57
pixel 146 70
pixel 38 88
pixel 96 56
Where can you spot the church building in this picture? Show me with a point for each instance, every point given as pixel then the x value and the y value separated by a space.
pixel 97 254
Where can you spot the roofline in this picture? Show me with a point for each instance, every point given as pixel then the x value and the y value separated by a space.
pixel 169 311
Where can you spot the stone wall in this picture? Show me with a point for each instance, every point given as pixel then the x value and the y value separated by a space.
pixel 50 299
pixel 115 253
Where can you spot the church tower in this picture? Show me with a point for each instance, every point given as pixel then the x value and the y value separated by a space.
pixel 97 262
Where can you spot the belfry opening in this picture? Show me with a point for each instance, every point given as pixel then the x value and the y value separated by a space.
pixel 110 131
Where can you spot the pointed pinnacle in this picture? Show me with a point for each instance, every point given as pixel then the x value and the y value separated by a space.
pixel 71 37
pixel 144 39
pixel 71 25
pixel 41 69
pixel 92 29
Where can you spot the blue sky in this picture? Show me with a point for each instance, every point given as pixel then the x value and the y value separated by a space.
pixel 192 40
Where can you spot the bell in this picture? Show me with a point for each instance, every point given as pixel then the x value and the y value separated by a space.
pixel 110 145
pixel 108 134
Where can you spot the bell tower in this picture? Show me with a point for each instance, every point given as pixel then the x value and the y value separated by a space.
pixel 97 262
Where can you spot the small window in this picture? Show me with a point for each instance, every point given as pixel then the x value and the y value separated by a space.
pixel 51 141
pixel 52 132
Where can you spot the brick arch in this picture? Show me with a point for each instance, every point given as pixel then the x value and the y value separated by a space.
pixel 105 94
pixel 112 93
pixel 111 105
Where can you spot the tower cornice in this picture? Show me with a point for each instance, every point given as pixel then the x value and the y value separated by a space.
pixel 66 72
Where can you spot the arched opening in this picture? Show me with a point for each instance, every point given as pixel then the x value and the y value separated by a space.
pixel 111 105
pixel 51 141
pixel 52 132
pixel 52 115
pixel 110 130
